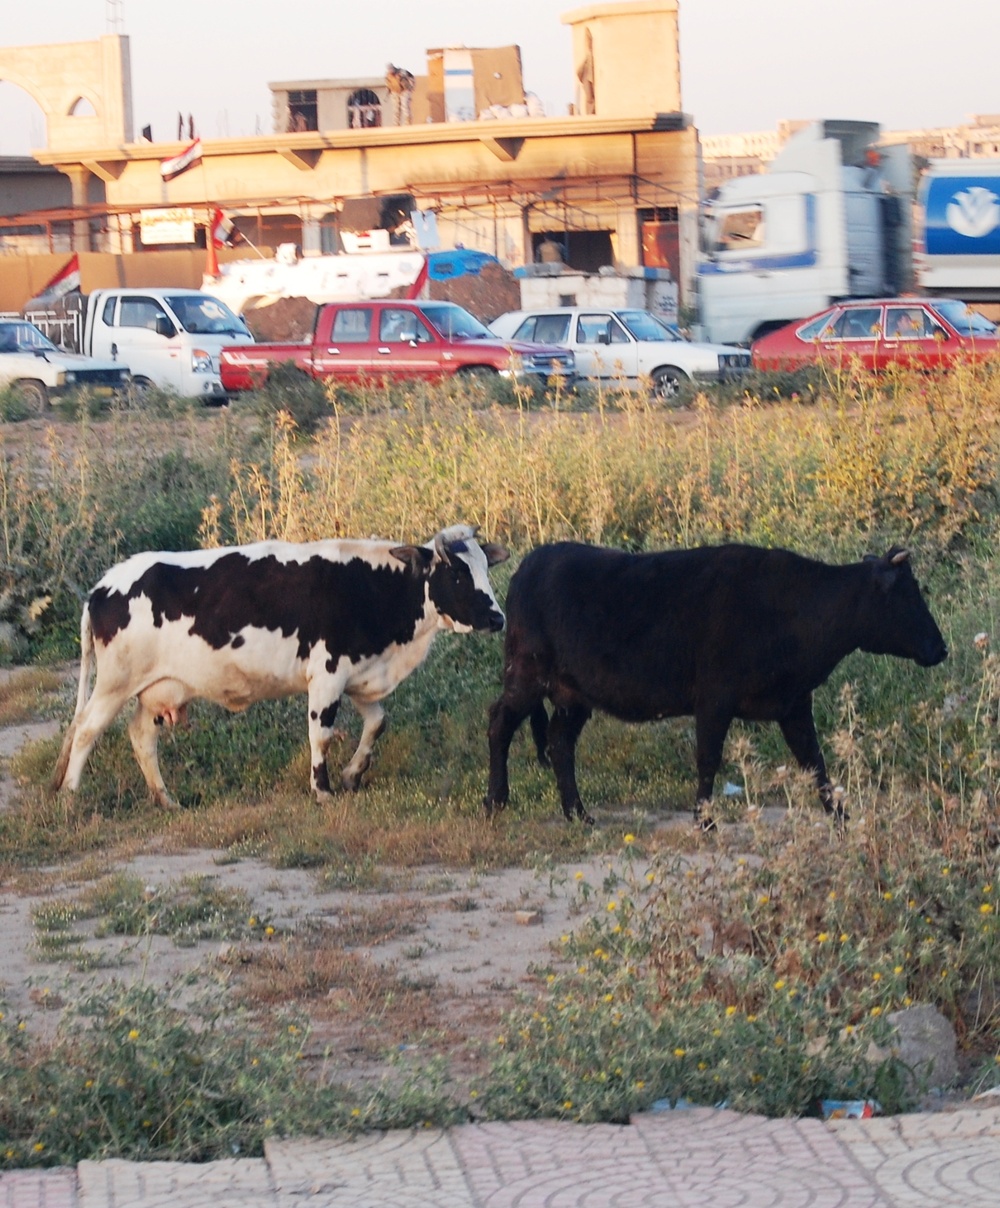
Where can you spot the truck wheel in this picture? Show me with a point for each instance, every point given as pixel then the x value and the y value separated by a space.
pixel 667 384
pixel 482 373
pixel 140 386
pixel 33 394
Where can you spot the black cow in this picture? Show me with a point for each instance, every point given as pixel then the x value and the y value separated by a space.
pixel 722 632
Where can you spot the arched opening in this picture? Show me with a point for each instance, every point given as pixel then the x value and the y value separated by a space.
pixel 81 107
pixel 22 121
pixel 364 109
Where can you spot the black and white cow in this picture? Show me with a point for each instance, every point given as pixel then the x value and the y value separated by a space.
pixel 722 632
pixel 255 622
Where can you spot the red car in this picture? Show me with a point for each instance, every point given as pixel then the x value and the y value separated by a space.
pixel 391 340
pixel 928 333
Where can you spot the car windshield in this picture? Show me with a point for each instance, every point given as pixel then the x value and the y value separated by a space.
pixel 24 337
pixel 646 327
pixel 965 320
pixel 455 323
pixel 201 314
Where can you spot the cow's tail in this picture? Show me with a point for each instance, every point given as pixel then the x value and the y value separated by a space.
pixel 82 696
pixel 86 659
pixel 540 732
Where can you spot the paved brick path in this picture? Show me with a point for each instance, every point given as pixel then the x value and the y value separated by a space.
pixel 687 1159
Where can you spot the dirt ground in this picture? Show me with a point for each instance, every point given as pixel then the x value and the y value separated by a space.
pixel 432 960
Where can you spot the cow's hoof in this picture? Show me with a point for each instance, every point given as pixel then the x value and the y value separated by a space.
pixel 167 802
pixel 587 819
pixel 705 823
pixel 492 808
pixel 351 782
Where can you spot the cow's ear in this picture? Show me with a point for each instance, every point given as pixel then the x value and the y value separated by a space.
pixel 417 557
pixel 495 554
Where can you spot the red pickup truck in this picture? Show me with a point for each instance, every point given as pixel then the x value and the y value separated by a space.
pixel 392 339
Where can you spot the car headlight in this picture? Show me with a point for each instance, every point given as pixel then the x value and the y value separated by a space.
pixel 70 379
pixel 201 361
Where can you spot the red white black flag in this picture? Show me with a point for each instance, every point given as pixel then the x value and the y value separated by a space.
pixel 64 282
pixel 224 232
pixel 191 155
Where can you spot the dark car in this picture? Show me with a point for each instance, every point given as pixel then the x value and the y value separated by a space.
pixel 927 333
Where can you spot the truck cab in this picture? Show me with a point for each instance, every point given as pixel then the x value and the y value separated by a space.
pixel 170 338
pixel 828 220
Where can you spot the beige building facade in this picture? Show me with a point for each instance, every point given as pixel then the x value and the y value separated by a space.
pixel 616 182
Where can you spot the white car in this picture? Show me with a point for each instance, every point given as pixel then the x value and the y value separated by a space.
pixel 625 346
pixel 39 371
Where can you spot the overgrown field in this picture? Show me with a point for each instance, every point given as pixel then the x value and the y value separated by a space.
pixel 757 967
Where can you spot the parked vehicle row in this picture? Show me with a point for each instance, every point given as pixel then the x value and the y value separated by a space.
pixel 190 343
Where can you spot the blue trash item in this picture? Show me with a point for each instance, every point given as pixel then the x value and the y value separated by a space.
pixel 850 1109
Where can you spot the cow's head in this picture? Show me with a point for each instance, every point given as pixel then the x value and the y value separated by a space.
pixel 455 565
pixel 900 622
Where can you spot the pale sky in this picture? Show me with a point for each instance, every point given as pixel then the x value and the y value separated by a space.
pixel 745 64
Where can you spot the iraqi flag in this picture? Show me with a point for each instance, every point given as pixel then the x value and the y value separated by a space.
pixel 224 232
pixel 66 281
pixel 191 155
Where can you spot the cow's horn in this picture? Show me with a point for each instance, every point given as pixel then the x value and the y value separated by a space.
pixel 896 556
pixel 440 548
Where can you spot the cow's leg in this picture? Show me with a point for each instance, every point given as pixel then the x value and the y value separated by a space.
pixel 143 732
pixel 98 713
pixel 799 730
pixel 374 724
pixel 711 728
pixel 505 717
pixel 564 729
pixel 324 701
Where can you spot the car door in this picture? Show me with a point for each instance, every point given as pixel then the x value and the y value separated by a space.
pixel 853 336
pixel 604 349
pixel 146 339
pixel 405 346
pixel 347 355
pixel 913 337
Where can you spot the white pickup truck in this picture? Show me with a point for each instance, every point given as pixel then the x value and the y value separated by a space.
pixel 40 371
pixel 169 338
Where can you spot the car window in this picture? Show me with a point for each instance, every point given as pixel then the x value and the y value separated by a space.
pixel 817 328
pixel 455 323
pixel 202 314
pixel 740 229
pixel 908 323
pixel 647 328
pixel 352 326
pixel 398 325
pixel 551 329
pixel 859 323
pixel 140 312
pixel 965 320
pixel 599 329
pixel 108 317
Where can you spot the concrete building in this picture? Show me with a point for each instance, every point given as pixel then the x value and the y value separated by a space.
pixel 616 182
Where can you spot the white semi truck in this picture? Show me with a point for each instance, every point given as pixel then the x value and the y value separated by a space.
pixel 830 218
